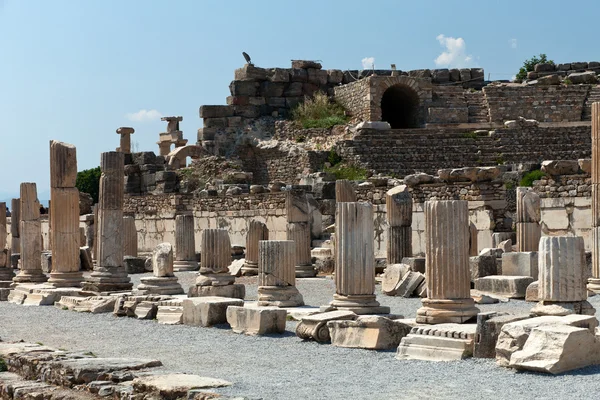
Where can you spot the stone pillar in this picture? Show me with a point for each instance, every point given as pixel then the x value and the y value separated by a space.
pixel 185 243
pixel 562 285
pixel 215 257
pixel 96 224
pixel 130 239
pixel 257 231
pixel 125 144
pixel 15 236
pixel 528 217
pixel 355 260
pixel 109 273
pixel 162 281
pixel 344 191
pixel 398 203
pixel 64 209
pixel 594 281
pixel 298 230
pixel 447 264
pixel 164 148
pixel 6 272
pixel 277 274
pixel 31 236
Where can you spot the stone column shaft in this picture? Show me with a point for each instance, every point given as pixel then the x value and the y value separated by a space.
pixel 3 231
pixel 130 239
pixel 215 252
pixel 6 272
pixel 344 191
pixel 398 203
pixel 185 243
pixel 561 269
pixel 277 274
pixel 594 281
pixel 15 217
pixel 257 231
pixel 125 143
pixel 298 230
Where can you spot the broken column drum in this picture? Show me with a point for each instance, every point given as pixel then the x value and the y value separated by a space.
pixel 31 236
pixel 355 260
pixel 447 264
pixel 257 231
pixel 528 219
pixel 130 239
pixel 185 244
pixel 594 280
pixel 109 273
pixel 344 191
pixel 6 272
pixel 277 275
pixel 298 230
pixel 398 202
pixel 15 240
pixel 163 281
pixel 64 208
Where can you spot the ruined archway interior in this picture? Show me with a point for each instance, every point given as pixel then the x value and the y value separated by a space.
pixel 400 107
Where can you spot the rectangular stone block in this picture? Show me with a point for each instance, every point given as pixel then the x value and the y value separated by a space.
pixel 416 264
pixel 207 311
pixel 63 165
pixel 256 320
pixel 368 332
pixel 482 266
pixel 489 326
pixel 520 264
pixel 513 287
pixel 216 111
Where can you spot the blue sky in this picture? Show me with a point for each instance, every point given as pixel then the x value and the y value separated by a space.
pixel 76 70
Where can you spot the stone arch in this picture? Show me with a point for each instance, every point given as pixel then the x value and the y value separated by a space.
pixel 400 107
pixel 176 158
pixel 402 94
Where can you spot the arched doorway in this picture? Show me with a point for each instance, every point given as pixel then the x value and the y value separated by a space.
pixel 400 107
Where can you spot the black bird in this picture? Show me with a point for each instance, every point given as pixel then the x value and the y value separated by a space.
pixel 247 57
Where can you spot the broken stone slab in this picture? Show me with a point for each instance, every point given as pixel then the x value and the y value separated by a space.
pixel 236 290
pixel 409 284
pixel 367 332
pixel 583 77
pixel 170 312
pixel 314 327
pixel 563 308
pixel 418 179
pixel 513 335
pixel 556 349
pixel 146 310
pixel 93 304
pixel 442 342
pixel 513 287
pixel 207 311
pixel 174 386
pixel 392 275
pixel 489 325
pixel 379 125
pixel 482 298
pixel 531 294
pixel 134 265
pixel 256 320
pixel 506 246
pixel 14 386
pixel 520 264
pixel 482 266
pixel 560 167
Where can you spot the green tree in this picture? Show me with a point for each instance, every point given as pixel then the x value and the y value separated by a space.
pixel 88 181
pixel 529 65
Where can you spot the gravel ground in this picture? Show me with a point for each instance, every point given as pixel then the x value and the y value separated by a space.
pixel 284 367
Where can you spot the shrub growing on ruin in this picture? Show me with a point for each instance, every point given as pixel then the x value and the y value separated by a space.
pixel 350 172
pixel 88 181
pixel 530 177
pixel 319 112
pixel 529 65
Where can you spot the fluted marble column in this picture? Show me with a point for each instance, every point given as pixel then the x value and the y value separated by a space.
pixel 277 275
pixel 257 231
pixel 447 264
pixel 185 243
pixel 15 236
pixel 398 202
pixel 594 281
pixel 344 191
pixel 109 273
pixel 298 230
pixel 561 262
pixel 31 236
pixel 130 239
pixel 6 272
pixel 355 260
pixel 528 218
pixel 64 209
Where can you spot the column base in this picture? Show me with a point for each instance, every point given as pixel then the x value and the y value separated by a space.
pixel 108 279
pixel 593 285
pixel 562 308
pixel 441 311
pixel 182 265
pixel 207 279
pixel 236 291
pixel 305 271
pixel 361 304
pixel 279 296
pixel 164 285
pixel 66 279
pixel 250 268
pixel 25 276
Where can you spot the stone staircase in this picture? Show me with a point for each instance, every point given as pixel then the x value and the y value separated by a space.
pixel 592 97
pixel 478 108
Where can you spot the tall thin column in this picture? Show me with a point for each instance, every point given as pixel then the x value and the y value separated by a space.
pixel 447 264
pixel 277 275
pixel 15 236
pixel 130 239
pixel 64 210
pixel 31 236
pixel 344 191
pixel 257 231
pixel 594 281
pixel 109 273
pixel 355 260
pixel 398 202
pixel 185 243
pixel 6 272
pixel 298 230
pixel 125 142
pixel 528 216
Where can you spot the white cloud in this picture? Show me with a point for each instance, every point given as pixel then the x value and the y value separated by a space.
pixel 368 62
pixel 455 54
pixel 513 43
pixel 144 115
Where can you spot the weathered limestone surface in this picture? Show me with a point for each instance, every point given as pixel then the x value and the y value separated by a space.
pixel 185 244
pixel 344 191
pixel 256 320
pixel 513 287
pixel 489 325
pixel 207 311
pixel 368 332
pixel 277 275
pixel 15 242
pixel 109 273
pixel 528 219
pixel 442 342
pixel 562 269
pixel 130 240
pixel 314 327
pixel 398 203
pixel 521 264
pixel 257 231
pixel 163 281
pixel 447 257
pixel 355 260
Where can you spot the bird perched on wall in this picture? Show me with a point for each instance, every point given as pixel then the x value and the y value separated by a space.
pixel 247 57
